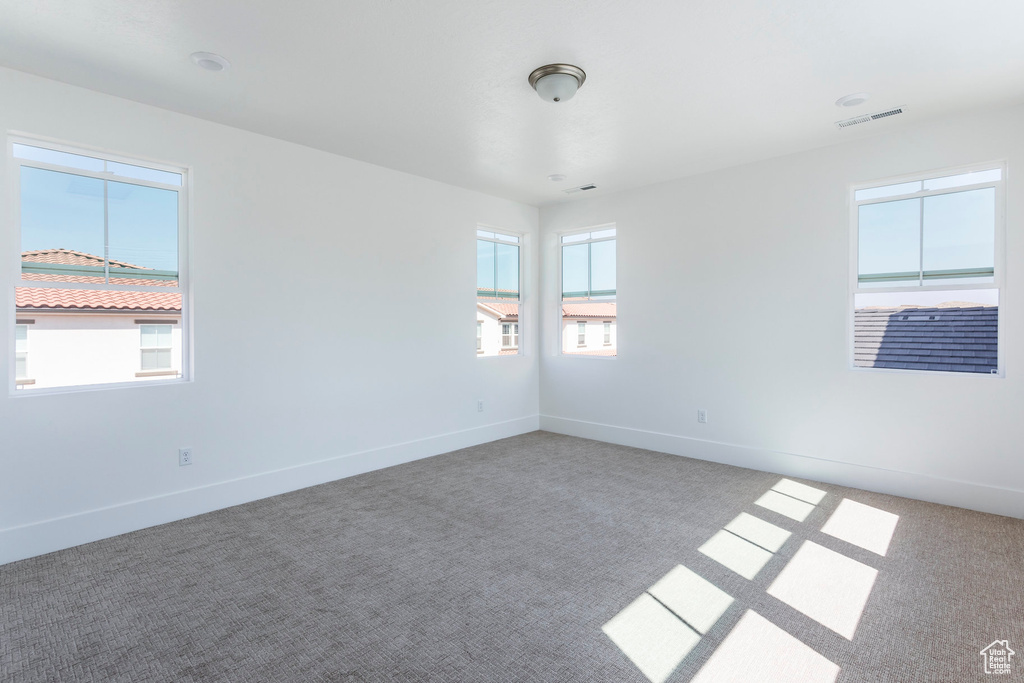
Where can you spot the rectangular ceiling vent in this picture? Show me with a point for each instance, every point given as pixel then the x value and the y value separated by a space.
pixel 581 188
pixel 869 117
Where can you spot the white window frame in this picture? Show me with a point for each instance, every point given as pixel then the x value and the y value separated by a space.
pixel 558 294
pixel 607 331
pixel 581 333
pixel 522 287
pixel 184 249
pixel 999 260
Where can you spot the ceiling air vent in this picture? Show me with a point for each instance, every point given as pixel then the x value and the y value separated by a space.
pixel 581 188
pixel 869 117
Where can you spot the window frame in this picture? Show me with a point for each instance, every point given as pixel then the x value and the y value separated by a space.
pixel 521 301
pixel 607 332
pixel 999 256
pixel 184 191
pixel 559 236
pixel 581 334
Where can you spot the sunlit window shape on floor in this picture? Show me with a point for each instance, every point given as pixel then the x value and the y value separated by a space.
pixel 758 531
pixel 654 639
pixel 785 505
pixel 758 650
pixel 803 492
pixel 694 599
pixel 862 525
pixel 826 586
pixel 732 552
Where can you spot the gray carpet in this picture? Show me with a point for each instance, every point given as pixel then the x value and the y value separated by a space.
pixel 500 562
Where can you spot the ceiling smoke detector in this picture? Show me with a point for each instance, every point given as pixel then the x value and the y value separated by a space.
pixel 556 177
pixel 210 61
pixel 852 100
pixel 557 82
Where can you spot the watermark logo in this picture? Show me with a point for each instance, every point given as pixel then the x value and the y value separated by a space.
pixel 997 657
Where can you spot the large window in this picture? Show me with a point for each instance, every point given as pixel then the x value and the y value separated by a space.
pixel 498 300
pixel 101 240
pixel 927 273
pixel 588 292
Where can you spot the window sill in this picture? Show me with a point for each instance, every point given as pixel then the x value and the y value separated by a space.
pixel 24 382
pixel 157 373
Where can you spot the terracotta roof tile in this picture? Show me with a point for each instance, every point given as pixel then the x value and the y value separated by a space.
pixel 30 298
pixel 589 310
pixel 70 257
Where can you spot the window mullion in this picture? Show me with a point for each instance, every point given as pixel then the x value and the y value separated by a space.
pixel 106 231
pixel 920 249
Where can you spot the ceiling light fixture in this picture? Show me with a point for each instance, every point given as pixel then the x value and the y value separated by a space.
pixel 210 61
pixel 557 82
pixel 556 177
pixel 852 100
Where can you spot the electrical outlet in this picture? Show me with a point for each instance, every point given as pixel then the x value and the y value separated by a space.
pixel 479 406
pixel 184 457
pixel 702 416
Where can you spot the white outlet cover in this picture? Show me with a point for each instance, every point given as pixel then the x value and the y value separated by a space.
pixel 184 456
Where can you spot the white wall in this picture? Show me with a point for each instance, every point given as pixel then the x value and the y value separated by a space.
pixel 732 296
pixel 300 259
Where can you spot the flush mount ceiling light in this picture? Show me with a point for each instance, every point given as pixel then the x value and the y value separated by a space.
pixel 210 61
pixel 852 100
pixel 556 177
pixel 557 82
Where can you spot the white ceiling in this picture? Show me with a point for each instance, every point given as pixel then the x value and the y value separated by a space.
pixel 439 88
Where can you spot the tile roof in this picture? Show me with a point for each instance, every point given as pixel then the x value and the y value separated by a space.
pixel 589 310
pixel 33 299
pixel 30 298
pixel 70 257
pixel 955 339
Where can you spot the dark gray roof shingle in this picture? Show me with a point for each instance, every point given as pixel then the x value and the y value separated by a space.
pixel 947 339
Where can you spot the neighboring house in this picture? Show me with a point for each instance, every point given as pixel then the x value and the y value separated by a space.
pixel 953 337
pixel 589 329
pixel 69 337
pixel 497 328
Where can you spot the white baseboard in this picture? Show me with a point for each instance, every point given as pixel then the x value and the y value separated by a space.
pixel 21 542
pixel 959 493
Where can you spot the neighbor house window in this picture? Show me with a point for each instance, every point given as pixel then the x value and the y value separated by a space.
pixel 588 278
pixel 156 347
pixel 607 332
pixel 102 238
pixel 498 299
pixel 20 352
pixel 510 335
pixel 927 274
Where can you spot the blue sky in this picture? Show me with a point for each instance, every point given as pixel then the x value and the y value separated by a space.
pixel 63 210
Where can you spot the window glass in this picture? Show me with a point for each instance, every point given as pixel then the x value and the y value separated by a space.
pixel 575 267
pixel 910 252
pixel 890 241
pixel 143 234
pixel 589 289
pixel 112 242
pixel 959 234
pixel 498 293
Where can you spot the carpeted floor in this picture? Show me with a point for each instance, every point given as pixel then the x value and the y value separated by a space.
pixel 509 562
